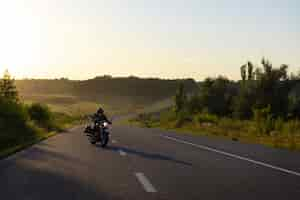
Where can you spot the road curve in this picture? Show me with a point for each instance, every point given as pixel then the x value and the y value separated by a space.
pixel 149 164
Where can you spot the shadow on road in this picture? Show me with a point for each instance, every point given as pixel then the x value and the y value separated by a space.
pixel 42 152
pixel 23 181
pixel 43 173
pixel 147 155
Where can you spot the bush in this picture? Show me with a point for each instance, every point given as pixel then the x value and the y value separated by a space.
pixel 292 127
pixel 145 119
pixel 41 115
pixel 244 101
pixel 228 124
pixel 183 117
pixel 278 124
pixel 206 118
pixel 168 115
pixel 12 112
pixel 194 104
pixel 263 120
pixel 14 126
pixel 216 96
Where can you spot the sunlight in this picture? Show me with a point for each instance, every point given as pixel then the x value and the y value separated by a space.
pixel 19 40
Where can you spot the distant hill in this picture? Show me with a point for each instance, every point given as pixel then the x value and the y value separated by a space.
pixel 105 89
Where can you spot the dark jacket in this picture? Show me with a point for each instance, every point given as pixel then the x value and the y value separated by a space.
pixel 100 117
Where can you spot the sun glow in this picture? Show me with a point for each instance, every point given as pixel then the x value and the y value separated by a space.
pixel 20 41
pixel 81 39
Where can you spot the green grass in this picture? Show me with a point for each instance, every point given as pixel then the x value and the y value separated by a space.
pixel 288 137
pixel 36 134
pixel 23 125
pixel 18 147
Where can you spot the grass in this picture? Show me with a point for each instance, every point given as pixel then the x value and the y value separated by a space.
pixel 63 122
pixel 286 137
pixel 18 147
pixel 23 125
pixel 76 106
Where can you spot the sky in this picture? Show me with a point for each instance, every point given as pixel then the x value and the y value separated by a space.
pixel 81 39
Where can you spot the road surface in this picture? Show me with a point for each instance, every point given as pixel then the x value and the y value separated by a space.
pixel 149 164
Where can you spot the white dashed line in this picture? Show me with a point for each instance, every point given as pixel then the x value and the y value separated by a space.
pixel 234 156
pixel 148 187
pixel 122 153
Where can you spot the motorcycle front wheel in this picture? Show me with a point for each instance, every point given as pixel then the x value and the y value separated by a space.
pixel 104 141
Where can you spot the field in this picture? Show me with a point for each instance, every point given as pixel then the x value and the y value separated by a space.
pixel 72 105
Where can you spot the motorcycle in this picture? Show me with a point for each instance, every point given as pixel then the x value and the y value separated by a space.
pixel 98 133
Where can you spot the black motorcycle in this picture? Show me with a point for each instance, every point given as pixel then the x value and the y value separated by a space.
pixel 98 133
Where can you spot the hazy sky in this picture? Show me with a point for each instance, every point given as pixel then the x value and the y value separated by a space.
pixel 80 39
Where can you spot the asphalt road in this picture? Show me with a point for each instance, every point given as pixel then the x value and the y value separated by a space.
pixel 149 164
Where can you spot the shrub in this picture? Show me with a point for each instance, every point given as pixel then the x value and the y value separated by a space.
pixel 144 119
pixel 41 115
pixel 228 124
pixel 183 117
pixel 194 104
pixel 180 98
pixel 278 124
pixel 216 95
pixel 206 118
pixel 14 126
pixel 292 127
pixel 263 120
pixel 12 113
pixel 244 100
pixel 168 115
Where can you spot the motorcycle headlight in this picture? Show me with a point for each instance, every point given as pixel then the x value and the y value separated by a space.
pixel 105 124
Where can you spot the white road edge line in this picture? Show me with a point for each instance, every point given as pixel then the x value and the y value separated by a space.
pixel 148 187
pixel 233 155
pixel 122 153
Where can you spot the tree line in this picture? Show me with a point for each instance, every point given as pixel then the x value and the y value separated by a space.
pixel 107 90
pixel 262 91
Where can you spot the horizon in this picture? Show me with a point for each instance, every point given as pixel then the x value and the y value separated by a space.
pixel 168 40
pixel 103 76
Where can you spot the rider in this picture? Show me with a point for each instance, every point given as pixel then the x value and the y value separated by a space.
pixel 100 116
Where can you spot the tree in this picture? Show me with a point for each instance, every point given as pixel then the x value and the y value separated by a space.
pixel 244 101
pixel 250 70
pixel 269 88
pixel 180 98
pixel 8 89
pixel 247 71
pixel 243 72
pixel 273 89
pixel 294 102
pixel 216 95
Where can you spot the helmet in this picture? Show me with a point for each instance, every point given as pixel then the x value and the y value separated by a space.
pixel 100 111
